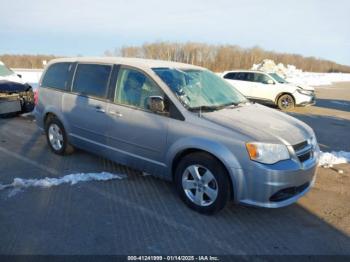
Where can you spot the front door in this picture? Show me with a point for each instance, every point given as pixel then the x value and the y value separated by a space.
pixel 262 89
pixel 137 133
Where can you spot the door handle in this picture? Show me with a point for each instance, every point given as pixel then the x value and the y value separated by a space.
pixel 118 114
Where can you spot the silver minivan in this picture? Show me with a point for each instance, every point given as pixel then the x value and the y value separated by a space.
pixel 179 122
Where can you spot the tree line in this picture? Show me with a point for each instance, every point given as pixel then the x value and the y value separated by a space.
pixel 224 57
pixel 218 58
pixel 25 61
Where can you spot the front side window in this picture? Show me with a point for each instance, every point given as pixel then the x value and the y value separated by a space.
pixel 92 79
pixel 199 89
pixel 134 88
pixel 261 78
pixel 57 76
pixel 278 78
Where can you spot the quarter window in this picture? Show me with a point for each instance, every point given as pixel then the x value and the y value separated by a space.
pixel 57 76
pixel 92 79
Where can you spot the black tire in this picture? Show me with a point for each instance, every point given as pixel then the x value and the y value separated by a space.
pixel 286 102
pixel 217 170
pixel 66 148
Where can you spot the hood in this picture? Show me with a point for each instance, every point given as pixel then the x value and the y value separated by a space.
pixel 261 124
pixel 13 87
pixel 12 78
pixel 305 87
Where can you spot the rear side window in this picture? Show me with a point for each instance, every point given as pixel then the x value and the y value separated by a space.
pixel 241 76
pixel 92 79
pixel 250 77
pixel 57 76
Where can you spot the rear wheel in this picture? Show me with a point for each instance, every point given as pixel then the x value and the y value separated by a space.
pixel 57 138
pixel 285 102
pixel 202 183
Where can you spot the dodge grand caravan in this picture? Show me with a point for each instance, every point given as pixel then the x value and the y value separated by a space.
pixel 179 122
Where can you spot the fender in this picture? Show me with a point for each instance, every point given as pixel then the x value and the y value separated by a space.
pixel 59 115
pixel 218 150
pixel 221 152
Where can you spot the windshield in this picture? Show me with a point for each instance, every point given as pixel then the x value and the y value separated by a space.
pixel 4 71
pixel 200 89
pixel 278 78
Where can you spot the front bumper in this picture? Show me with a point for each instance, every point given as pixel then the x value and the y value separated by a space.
pixel 9 104
pixel 304 100
pixel 276 185
pixel 16 102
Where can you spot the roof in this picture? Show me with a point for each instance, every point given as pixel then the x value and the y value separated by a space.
pixel 138 62
pixel 245 71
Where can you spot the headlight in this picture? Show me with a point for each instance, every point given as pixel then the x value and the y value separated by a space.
pixel 304 92
pixel 267 153
pixel 313 141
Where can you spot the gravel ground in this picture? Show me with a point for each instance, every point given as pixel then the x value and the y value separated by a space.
pixel 330 118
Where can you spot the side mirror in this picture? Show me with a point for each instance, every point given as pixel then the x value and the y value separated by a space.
pixel 269 82
pixel 156 103
pixel 19 75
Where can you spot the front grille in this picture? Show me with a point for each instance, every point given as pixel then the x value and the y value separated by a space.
pixel 300 146
pixel 287 193
pixel 303 151
pixel 304 157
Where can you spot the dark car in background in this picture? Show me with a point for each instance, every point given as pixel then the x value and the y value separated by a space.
pixel 15 98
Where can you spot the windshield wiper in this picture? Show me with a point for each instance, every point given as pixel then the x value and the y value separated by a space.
pixel 230 104
pixel 204 108
pixel 212 108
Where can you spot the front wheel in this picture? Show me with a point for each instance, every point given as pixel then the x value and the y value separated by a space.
pixel 285 102
pixel 202 183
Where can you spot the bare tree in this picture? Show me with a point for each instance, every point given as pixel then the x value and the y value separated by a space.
pixel 226 57
pixel 215 57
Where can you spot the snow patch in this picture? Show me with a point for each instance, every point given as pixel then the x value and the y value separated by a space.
pixel 334 158
pixel 297 76
pixel 47 182
pixel 318 79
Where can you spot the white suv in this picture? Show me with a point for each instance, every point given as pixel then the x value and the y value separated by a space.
pixel 270 88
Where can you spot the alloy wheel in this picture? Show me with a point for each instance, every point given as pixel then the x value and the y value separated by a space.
pixel 286 102
pixel 55 137
pixel 199 185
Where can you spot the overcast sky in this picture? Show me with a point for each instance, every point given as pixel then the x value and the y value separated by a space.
pixel 317 28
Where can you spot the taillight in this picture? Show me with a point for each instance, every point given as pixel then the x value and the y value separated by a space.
pixel 36 96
